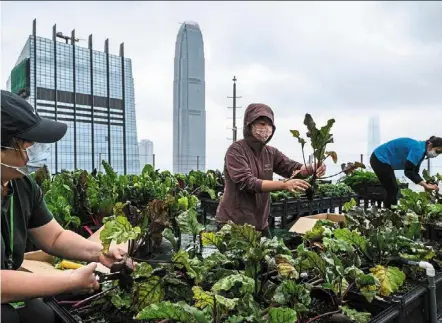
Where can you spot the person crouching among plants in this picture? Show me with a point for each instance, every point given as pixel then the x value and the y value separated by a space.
pixel 248 169
pixel 25 148
pixel 403 154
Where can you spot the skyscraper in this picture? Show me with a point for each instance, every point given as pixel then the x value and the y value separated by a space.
pixel 374 135
pixel 146 153
pixel 90 90
pixel 189 115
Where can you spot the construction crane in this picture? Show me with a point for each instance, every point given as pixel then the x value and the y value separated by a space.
pixel 67 38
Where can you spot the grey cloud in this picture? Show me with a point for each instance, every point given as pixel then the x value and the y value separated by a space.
pixel 377 79
pixel 425 19
pixel 329 46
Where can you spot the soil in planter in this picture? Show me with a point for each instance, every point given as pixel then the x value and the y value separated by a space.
pixel 106 314
pixel 318 307
pixel 405 288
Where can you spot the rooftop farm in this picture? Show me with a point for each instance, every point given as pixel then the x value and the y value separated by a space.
pixel 362 269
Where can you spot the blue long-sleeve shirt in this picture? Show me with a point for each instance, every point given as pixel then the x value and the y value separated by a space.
pixel 403 154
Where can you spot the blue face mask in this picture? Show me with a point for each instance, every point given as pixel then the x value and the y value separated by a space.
pixel 38 155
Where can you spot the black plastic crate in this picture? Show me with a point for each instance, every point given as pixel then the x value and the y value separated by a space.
pixel 304 206
pixel 277 208
pixel 412 306
pixel 426 231
pixel 325 203
pixel 370 192
pixel 375 192
pixel 433 232
pixel 292 206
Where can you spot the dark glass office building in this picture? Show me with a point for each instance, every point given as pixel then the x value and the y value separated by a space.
pixel 92 91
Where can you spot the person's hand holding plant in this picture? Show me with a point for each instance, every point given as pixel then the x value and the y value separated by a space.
pixel 307 170
pixel 114 255
pixel 431 187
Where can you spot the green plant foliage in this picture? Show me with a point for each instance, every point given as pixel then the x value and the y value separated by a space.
pixel 245 277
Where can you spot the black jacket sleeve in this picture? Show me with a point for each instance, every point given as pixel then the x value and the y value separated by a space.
pixel 412 172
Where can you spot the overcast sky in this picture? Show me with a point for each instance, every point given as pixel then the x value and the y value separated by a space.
pixel 342 60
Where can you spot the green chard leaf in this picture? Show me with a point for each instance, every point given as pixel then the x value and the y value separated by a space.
pixel 149 292
pixel 121 299
pixel 282 315
pixel 180 312
pixel 119 230
pixel 183 261
pixel 358 317
pixel 211 239
pixel 352 237
pixel 183 203
pixel 225 284
pixel 205 299
pixel 368 285
pixel 142 269
pixel 244 237
pixel 311 260
pixel 294 295
pixel 169 236
pixel 188 222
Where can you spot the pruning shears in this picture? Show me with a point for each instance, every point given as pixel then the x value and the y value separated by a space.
pixel 120 271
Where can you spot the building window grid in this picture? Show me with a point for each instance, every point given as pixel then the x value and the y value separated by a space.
pixel 45 78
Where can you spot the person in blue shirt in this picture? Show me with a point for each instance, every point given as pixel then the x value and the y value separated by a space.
pixel 403 154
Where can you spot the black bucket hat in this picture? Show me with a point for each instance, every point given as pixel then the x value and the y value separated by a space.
pixel 20 120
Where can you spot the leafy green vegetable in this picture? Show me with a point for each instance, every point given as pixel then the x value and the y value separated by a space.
pixel 390 278
pixel 119 231
pixel 282 315
pixel 247 285
pixel 293 295
pixel 358 317
pixel 149 292
pixel 180 312
pixel 319 139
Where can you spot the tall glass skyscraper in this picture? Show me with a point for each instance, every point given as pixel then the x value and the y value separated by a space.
pixel 189 115
pixel 374 135
pixel 146 153
pixel 92 91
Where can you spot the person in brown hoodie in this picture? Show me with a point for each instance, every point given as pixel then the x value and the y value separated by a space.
pixel 248 169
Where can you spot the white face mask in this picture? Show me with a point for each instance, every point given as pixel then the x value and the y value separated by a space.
pixel 38 155
pixel 262 132
pixel 432 154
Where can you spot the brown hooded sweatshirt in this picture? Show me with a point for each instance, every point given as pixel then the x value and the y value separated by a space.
pixel 247 163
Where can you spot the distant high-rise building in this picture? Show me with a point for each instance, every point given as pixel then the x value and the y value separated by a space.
pixel 91 91
pixel 189 115
pixel 374 135
pixel 146 153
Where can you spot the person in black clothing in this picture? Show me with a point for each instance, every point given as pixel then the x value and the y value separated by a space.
pixel 25 148
pixel 403 154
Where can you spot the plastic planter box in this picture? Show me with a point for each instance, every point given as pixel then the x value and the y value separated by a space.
pixel 432 232
pixel 411 307
pixel 374 192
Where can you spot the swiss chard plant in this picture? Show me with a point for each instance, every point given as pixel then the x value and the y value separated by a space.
pixel 43 178
pixel 319 140
pixel 204 184
pixel 60 200
pixel 436 196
